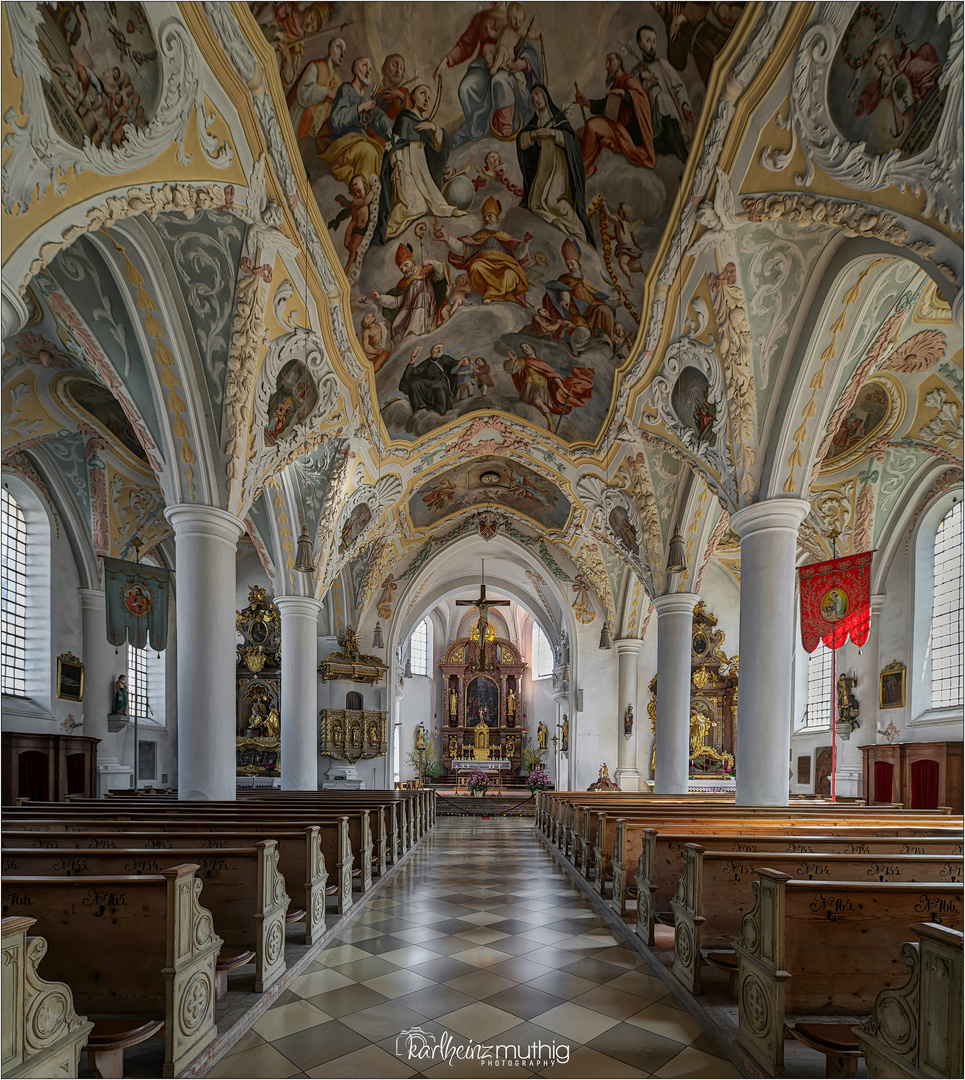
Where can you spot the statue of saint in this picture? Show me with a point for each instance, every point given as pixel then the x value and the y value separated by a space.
pixel 420 737
pixel 565 735
pixel 542 734
pixel 511 702
pixel 273 724
pixel 699 726
pixel 453 703
pixel 119 704
pixel 628 721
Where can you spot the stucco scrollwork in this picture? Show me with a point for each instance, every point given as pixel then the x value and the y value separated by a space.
pixel 41 155
pixel 936 171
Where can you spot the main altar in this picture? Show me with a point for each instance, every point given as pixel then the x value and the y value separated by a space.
pixel 482 708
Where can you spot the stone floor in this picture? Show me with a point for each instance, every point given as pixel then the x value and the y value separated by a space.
pixel 481 947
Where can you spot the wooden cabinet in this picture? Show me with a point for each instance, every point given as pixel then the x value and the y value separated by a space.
pixel 48 767
pixel 921 775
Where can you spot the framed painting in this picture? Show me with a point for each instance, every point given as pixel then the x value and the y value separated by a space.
pixel 70 677
pixel 891 693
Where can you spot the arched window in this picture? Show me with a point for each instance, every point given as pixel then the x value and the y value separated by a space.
pixel 542 654
pixel 14 542
pixel 419 649
pixel 818 712
pixel 145 684
pixel 946 624
pixel 28 677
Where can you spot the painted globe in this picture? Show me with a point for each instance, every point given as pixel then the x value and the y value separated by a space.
pixel 459 192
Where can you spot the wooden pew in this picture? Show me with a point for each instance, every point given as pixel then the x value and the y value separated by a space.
pixel 42 1034
pixel 658 865
pixel 915 1030
pixel 714 891
pixel 824 948
pixel 243 890
pixel 131 946
pixel 303 856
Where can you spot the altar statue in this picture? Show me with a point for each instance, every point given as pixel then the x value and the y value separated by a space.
pixel 699 726
pixel 511 703
pixel 453 703
pixel 542 734
pixel 268 724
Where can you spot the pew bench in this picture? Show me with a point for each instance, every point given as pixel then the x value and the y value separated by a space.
pixel 131 947
pixel 43 1035
pixel 714 892
pixel 822 950
pixel 243 890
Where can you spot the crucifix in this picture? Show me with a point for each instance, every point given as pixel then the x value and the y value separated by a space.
pixel 482 605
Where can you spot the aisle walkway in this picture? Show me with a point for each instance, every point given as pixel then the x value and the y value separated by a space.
pixel 481 938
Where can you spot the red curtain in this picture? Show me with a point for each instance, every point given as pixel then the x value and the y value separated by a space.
pixel 76 774
pixel 34 775
pixel 884 781
pixel 924 785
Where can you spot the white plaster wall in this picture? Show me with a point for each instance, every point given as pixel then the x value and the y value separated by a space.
pixel 593 732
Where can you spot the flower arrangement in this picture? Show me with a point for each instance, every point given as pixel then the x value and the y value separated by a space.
pixel 478 781
pixel 538 779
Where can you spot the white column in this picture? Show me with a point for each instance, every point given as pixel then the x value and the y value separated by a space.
pixel 627 774
pixel 675 618
pixel 205 542
pixel 102 665
pixel 768 535
pixel 299 692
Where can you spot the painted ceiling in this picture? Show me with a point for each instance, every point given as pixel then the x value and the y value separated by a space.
pixel 587 272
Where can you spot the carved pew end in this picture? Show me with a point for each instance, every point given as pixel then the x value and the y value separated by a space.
pixel 835 1041
pixel 228 960
pixel 111 1037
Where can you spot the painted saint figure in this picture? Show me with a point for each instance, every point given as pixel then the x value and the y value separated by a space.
pixel 428 385
pixel 539 385
pixel 417 299
pixel 620 120
pixel 670 111
pixel 310 99
pixel 494 260
pixel 359 129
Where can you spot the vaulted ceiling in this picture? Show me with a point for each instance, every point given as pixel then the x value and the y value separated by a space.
pixel 227 291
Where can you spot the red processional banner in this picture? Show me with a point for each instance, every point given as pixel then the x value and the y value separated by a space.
pixel 836 601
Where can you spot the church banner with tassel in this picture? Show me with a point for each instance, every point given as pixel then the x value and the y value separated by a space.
pixel 836 601
pixel 137 603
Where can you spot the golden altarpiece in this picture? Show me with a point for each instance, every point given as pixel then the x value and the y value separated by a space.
pixel 482 702
pixel 713 700
pixel 353 733
pixel 258 687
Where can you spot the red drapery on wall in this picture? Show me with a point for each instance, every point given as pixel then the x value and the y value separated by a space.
pixel 924 785
pixel 884 781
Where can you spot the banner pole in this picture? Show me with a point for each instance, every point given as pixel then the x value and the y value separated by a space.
pixel 834 719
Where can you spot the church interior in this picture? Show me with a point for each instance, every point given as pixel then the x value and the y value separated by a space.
pixel 495 655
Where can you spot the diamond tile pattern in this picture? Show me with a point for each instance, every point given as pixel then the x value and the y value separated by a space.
pixel 480 939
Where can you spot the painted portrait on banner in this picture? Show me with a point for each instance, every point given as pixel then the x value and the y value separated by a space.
pixel 496 179
pixel 490 480
pixel 884 88
pixel 104 74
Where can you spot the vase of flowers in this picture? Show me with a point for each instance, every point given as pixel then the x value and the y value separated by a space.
pixel 478 783
pixel 538 779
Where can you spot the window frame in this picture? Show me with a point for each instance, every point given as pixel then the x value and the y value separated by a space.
pixel 823 654
pixel 15 609
pixel 424 672
pixel 535 669
pixel 952 547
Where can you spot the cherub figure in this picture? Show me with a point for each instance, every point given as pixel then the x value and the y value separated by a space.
pixel 494 171
pixel 357 209
pixel 628 251
pixel 373 337
pixel 460 291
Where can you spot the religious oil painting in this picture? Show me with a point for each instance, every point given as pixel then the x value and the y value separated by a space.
pixel 104 77
pixel 496 179
pixel 100 406
pixel 70 677
pixel 486 481
pixel 864 420
pixel 482 701
pixel 884 88
pixel 891 689
pixel 292 402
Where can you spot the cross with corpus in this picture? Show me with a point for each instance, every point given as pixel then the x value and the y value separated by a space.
pixel 482 605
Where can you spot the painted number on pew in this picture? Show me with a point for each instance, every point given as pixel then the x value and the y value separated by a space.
pixel 738 869
pixel 214 843
pixel 935 906
pixel 142 866
pixel 812 869
pixel 952 871
pixel 16 899
pixel 69 865
pixel 10 866
pixel 857 849
pixel 832 905
pixel 210 866
pixel 103 899
pixel 883 870
pixel 96 843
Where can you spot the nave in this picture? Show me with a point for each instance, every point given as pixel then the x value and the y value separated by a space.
pixel 482 935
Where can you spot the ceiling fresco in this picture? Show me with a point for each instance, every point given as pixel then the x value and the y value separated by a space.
pixel 496 195
pixel 487 481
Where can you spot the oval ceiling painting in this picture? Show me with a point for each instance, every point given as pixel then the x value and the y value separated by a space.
pixel 496 180
pixel 875 414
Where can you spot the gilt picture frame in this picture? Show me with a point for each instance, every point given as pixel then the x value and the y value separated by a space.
pixel 70 677
pixel 891 689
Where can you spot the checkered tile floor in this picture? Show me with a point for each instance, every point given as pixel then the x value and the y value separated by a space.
pixel 481 939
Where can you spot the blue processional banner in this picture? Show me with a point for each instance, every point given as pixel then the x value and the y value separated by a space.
pixel 137 603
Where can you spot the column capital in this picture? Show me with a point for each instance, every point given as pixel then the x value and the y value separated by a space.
pixel 877 602
pixel 195 519
pixel 629 645
pixel 93 599
pixel 678 603
pixel 770 514
pixel 307 606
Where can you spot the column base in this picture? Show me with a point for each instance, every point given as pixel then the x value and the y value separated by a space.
pixel 628 779
pixel 112 775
